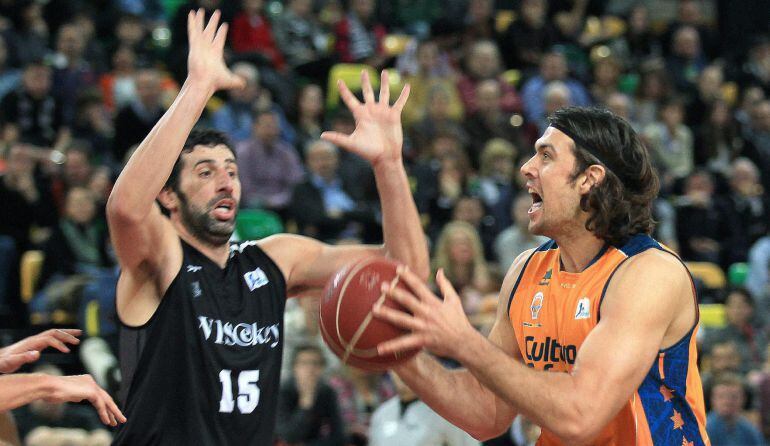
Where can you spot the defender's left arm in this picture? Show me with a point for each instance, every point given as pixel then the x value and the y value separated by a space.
pixel 378 138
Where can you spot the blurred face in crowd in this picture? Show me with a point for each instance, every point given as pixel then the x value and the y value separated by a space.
pixel 687 43
pixel 311 101
pixel 79 205
pixel 533 12
pixel 710 82
pixel 266 128
pixel 488 96
pixel 37 80
pixel 672 115
pixel 738 309
pixel 469 210
pixel 322 159
pixel 725 358
pixel 77 169
pixel 638 19
pixel 553 67
pixel 744 177
pixel 520 209
pixel 480 10
pixel 556 96
pixel 130 31
pixel 727 400
pixel 760 117
pixel 720 114
pixel 438 103
pixel 484 60
pixel 620 104
pixel 19 161
pixel 71 42
pixel 302 8
pixel 363 8
pixel 689 12
pixel 427 56
pixel 444 146
pixel 250 92
pixel 460 248
pixel 253 6
pixel 308 366
pixel 124 60
pixel 148 88
pixel 606 73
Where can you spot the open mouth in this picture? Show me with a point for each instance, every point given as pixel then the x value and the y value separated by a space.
pixel 537 201
pixel 224 210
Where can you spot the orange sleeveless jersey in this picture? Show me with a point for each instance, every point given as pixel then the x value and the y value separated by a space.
pixel 553 311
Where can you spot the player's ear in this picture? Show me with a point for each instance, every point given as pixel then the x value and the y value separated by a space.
pixel 593 176
pixel 168 198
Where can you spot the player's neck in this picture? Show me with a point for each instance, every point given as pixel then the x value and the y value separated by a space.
pixel 577 253
pixel 217 254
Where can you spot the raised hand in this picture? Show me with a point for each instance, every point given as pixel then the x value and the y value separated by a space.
pixel 378 135
pixel 83 387
pixel 439 325
pixel 28 349
pixel 205 62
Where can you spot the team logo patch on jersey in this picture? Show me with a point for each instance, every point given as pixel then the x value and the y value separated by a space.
pixel 255 279
pixel 537 304
pixel 193 268
pixel 546 278
pixel 195 287
pixel 583 309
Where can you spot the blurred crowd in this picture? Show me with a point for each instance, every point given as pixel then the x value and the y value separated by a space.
pixel 83 81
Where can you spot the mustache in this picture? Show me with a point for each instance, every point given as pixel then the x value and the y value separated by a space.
pixel 219 197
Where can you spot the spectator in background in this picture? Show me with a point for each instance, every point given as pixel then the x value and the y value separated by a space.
pixel 93 126
pixel 302 41
pixel 471 210
pixel 756 70
pixel 324 206
pixel 622 105
pixel 479 23
pixel 553 67
pixel 30 34
pixel 10 77
pixel 528 38
pixel 670 142
pixel 725 423
pixel 491 121
pixel 32 114
pixel 706 240
pixel 516 239
pixel 72 73
pixel 750 207
pixel 654 87
pixel 743 328
pixel 359 393
pixel 717 140
pixel 135 120
pixel 495 185
pixel 606 74
pixel 430 73
pixel 460 254
pixel 252 35
pixel 708 90
pixel 75 254
pixel 556 95
pixel 437 119
pixel 269 167
pixel 308 412
pixel 757 137
pixel 639 42
pixel 359 36
pixel 690 15
pixel 686 60
pixel 131 32
pixel 483 63
pixel 308 121
pixel 406 421
pixel 119 85
pixel 758 278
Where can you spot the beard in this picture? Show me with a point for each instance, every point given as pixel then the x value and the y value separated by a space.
pixel 201 225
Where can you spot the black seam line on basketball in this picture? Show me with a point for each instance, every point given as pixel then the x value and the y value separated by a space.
pixel 341 295
pixel 365 323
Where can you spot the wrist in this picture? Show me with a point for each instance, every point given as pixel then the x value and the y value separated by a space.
pixel 468 346
pixel 199 85
pixel 385 165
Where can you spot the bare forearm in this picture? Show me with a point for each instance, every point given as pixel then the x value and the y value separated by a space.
pixel 18 390
pixel 402 231
pixel 458 396
pixel 151 164
pixel 554 406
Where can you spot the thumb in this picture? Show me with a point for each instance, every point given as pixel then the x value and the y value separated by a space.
pixel 340 140
pixel 11 363
pixel 446 288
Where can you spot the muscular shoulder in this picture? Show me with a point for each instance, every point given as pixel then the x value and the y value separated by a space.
pixel 517 267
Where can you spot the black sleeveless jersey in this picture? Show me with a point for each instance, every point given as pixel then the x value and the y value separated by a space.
pixel 205 369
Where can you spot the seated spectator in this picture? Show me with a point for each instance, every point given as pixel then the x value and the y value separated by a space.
pixel 251 34
pixel 269 167
pixel 553 67
pixel 359 393
pixel 308 121
pixel 707 240
pixel 556 95
pixel 119 84
pixel 687 59
pixel 308 412
pixel 495 185
pixel 93 126
pixel 41 415
pixel 743 328
pixel 75 254
pixel 757 137
pixel 606 73
pixel 31 114
pixel 708 90
pixel 72 72
pixel 135 120
pixel 516 239
pixel 724 358
pixel 324 206
pixel 725 424
pixel 404 420
pixel 471 210
pixel 717 139
pixel 483 63
pixel 359 35
pixel 528 38
pixel 758 279
pixel 437 118
pixel 671 143
pixel 750 207
pixel 10 77
pixel 639 42
pixel 654 87
pixel 302 41
pixel 622 105
pixel 460 254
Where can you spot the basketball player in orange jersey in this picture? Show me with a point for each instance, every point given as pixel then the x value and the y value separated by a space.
pixel 202 319
pixel 602 304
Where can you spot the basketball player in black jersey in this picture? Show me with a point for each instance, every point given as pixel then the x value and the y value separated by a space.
pixel 202 320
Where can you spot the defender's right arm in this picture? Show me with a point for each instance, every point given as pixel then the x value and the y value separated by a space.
pixel 458 395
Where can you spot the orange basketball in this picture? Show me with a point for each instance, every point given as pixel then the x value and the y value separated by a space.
pixel 347 323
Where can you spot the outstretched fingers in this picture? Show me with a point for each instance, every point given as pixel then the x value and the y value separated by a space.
pixel 409 341
pixel 384 88
pixel 347 96
pixel 401 101
pixel 366 87
pixel 211 27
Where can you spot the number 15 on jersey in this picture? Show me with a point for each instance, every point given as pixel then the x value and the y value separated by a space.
pixel 248 391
